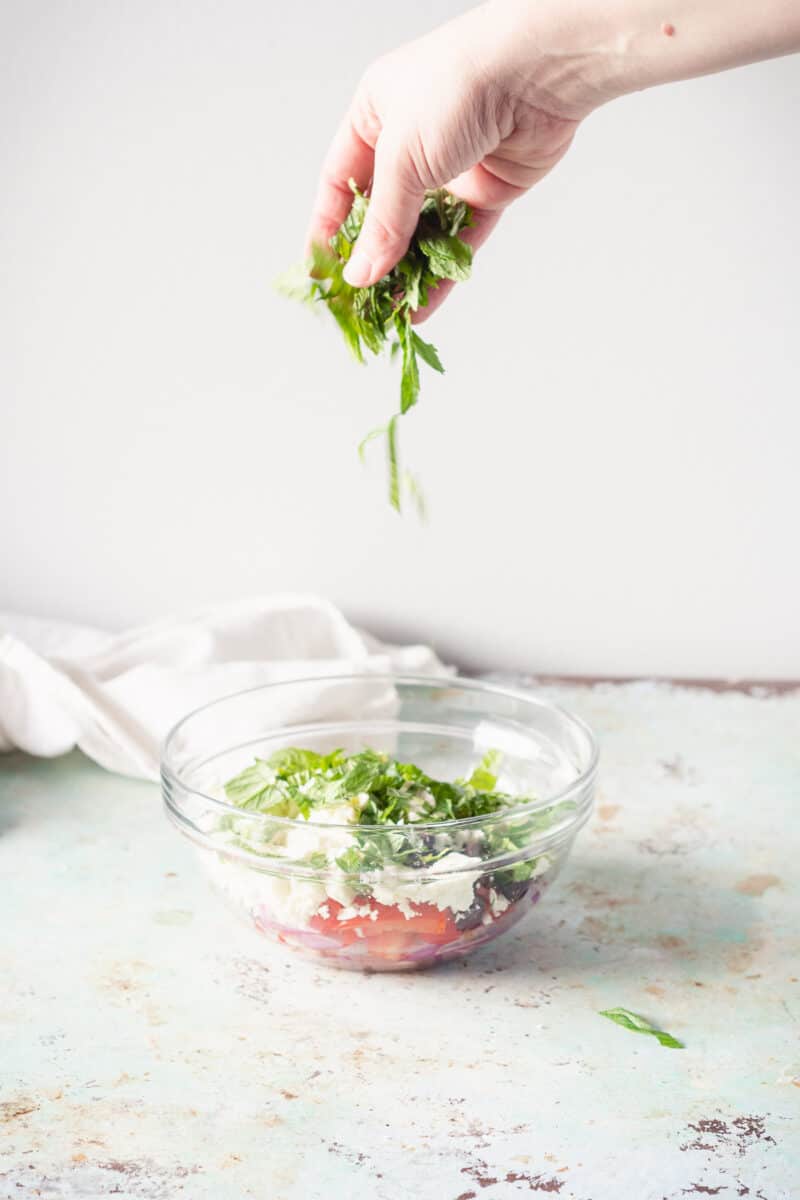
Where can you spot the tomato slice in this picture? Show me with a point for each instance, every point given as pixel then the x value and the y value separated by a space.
pixel 428 924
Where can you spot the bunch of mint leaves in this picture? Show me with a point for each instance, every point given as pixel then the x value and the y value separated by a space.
pixel 293 782
pixel 374 318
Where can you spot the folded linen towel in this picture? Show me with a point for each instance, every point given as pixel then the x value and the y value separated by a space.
pixel 115 696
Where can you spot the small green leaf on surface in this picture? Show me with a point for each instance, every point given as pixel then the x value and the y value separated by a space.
pixel 637 1024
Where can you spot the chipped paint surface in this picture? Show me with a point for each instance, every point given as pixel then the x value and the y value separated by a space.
pixel 153 1049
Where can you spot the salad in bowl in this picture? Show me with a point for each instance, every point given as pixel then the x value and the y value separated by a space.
pixel 380 823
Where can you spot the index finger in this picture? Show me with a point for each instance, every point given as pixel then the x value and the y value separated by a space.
pixel 350 157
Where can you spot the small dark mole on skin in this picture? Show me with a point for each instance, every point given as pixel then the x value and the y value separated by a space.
pixel 668 30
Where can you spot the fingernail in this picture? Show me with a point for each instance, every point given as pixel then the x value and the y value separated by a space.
pixel 358 269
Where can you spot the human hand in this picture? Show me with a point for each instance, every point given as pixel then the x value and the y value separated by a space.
pixel 487 104
pixel 478 125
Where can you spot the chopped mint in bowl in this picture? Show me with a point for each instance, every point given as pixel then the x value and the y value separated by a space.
pixel 380 822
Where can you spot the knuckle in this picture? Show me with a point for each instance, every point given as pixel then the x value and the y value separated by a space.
pixel 422 162
pixel 396 154
pixel 381 233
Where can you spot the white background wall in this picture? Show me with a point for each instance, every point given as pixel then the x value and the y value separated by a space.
pixel 611 461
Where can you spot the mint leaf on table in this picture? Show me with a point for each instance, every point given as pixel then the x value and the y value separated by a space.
pixel 636 1024
pixel 379 316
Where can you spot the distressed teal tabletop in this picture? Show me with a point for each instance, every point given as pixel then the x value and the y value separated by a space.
pixel 152 1048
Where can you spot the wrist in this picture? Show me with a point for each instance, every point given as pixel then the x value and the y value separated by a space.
pixel 566 57
pixel 571 56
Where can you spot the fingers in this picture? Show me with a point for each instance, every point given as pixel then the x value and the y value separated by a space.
pixel 395 201
pixel 350 157
pixel 475 236
pixel 483 189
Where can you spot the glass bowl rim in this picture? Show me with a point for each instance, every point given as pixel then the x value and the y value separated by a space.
pixel 170 775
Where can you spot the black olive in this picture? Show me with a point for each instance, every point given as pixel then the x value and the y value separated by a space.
pixel 512 889
pixel 473 916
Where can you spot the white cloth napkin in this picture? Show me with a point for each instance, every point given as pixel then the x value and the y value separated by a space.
pixel 116 696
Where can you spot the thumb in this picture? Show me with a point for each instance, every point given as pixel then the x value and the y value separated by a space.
pixel 396 198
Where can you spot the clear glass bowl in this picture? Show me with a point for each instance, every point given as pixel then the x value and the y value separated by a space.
pixel 281 875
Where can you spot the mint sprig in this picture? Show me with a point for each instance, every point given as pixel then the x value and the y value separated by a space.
pixel 374 318
pixel 393 796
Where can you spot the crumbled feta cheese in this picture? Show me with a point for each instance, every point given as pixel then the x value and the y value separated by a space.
pixel 498 903
pixel 339 890
pixel 453 890
pixel 288 901
pixel 311 837
pixel 417 803
pixel 351 911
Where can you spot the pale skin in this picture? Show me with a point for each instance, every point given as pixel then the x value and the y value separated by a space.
pixel 506 87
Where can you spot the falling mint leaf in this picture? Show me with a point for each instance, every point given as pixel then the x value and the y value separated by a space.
pixel 636 1024
pixel 381 431
pixel 409 379
pixel 427 352
pixel 394 469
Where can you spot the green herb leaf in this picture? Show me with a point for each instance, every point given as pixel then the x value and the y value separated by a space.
pixel 371 436
pixel 448 257
pixel 409 379
pixel 394 467
pixel 367 316
pixel 247 788
pixel 294 782
pixel 637 1024
pixel 346 320
pixel 427 352
pixel 411 488
pixel 365 770
pixel 350 860
pixel 484 777
pixel 291 760
pixel 294 283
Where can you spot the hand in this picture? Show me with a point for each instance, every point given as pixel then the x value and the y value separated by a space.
pixel 487 104
pixel 450 109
